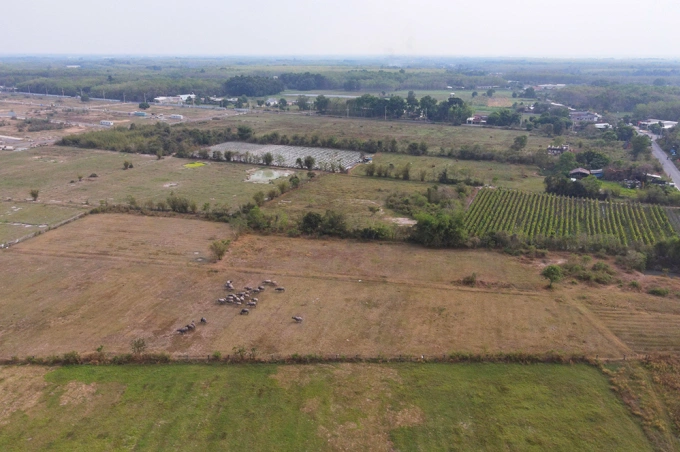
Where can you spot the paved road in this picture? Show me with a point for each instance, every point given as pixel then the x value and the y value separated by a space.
pixel 668 166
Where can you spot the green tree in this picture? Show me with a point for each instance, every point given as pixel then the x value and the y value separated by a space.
pixel 475 94
pixel 519 143
pixel 309 162
pixel 144 105
pixel 268 158
pixel 321 103
pixel 428 105
pixel 303 102
pixel 412 102
pixel 639 145
pixel 244 132
pixel 310 223
pixel 552 273
pixel 490 92
pixel 219 248
pixel 283 103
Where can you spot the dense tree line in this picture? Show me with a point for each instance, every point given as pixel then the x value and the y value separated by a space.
pixel 246 85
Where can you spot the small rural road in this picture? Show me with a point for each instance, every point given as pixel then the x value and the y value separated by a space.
pixel 668 166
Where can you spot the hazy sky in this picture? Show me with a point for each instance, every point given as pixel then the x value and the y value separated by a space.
pixel 575 28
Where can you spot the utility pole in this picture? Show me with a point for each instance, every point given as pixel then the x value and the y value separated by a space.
pixel 123 97
pixel 385 112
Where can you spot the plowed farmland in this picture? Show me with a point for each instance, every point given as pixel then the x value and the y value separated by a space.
pixel 108 279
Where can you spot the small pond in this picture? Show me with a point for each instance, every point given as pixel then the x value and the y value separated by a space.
pixel 263 176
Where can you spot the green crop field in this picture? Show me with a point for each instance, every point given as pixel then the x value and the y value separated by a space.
pixel 325 407
pixel 534 214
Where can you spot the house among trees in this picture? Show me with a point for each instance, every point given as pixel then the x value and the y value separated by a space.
pixel 579 173
pixel 477 119
pixel 584 116
pixel 558 150
pixel 271 102
pixel 659 122
pixel 174 100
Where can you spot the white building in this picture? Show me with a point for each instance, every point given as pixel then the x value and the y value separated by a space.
pixel 271 102
pixel 106 123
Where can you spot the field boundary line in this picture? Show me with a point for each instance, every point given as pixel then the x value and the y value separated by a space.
pixel 49 228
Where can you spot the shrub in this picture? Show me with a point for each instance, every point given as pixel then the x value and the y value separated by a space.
pixel 71 358
pixel 635 285
pixel 603 267
pixel 658 291
pixel 34 194
pixel 632 260
pixel 470 280
pixel 217 355
pixel 258 198
pixel 219 248
pixel 138 346
pixel 273 193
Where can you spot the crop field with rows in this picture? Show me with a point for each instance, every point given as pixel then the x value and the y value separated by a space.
pixel 545 215
pixel 326 159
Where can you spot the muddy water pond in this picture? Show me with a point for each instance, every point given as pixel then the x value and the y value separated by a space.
pixel 263 176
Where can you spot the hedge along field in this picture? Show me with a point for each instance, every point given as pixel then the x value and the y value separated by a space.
pixel 535 215
pixel 373 407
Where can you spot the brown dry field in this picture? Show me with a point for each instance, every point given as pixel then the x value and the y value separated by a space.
pixel 108 279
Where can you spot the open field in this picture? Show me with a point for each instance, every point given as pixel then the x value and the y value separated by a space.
pixel 355 197
pixel 20 219
pixel 435 135
pixel 108 279
pixel 51 170
pixel 326 407
pixel 520 177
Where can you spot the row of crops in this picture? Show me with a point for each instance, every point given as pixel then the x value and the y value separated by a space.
pixel 326 159
pixel 545 215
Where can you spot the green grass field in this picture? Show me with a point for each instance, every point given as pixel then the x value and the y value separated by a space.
pixel 52 169
pixel 521 177
pixel 325 407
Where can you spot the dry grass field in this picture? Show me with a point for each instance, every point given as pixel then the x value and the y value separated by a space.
pixel 51 170
pixel 20 219
pixel 108 279
pixel 435 135
pixel 352 196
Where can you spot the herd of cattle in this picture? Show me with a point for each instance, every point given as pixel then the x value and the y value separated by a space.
pixel 245 297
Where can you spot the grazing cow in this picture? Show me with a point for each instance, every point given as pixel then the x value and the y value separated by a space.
pixel 280 289
pixel 255 300
pixel 192 325
pixel 203 320
pixel 221 300
pixel 260 288
pixel 183 330
pixel 245 311
pixel 267 281
pixel 248 288
pixel 252 303
pixel 297 319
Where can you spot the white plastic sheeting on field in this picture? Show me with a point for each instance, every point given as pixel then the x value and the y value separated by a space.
pixel 325 159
